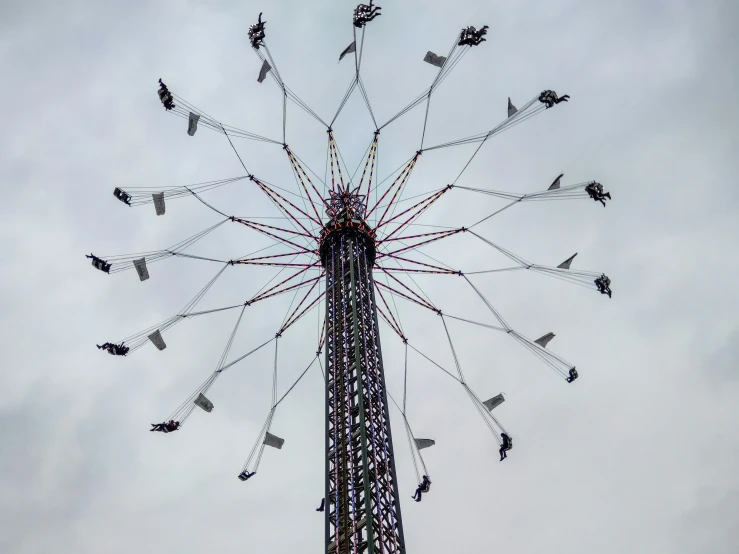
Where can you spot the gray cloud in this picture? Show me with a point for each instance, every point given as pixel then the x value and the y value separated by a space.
pixel 639 454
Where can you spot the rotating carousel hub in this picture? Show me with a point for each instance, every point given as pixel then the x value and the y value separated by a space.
pixel 345 210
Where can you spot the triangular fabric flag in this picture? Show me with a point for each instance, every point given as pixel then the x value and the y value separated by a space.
pixel 494 402
pixel 433 59
pixel 157 340
pixel 566 264
pixel 192 123
pixel 543 341
pixel 273 441
pixel 511 108
pixel 204 403
pixel 424 443
pixel 263 72
pixel 555 184
pixel 140 266
pixel 158 202
pixel 348 50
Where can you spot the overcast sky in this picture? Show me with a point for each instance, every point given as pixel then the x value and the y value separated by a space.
pixel 639 455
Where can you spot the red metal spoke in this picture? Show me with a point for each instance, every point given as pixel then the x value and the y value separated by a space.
pixel 291 231
pixel 414 246
pixel 295 244
pixel 272 264
pixel 406 287
pixel 382 297
pixel 264 296
pixel 334 155
pixel 429 199
pixel 398 185
pixel 409 237
pixel 371 156
pixel 271 193
pixel 424 205
pixel 404 270
pixel 395 291
pixel 270 257
pixel 298 169
pixel 293 276
pixel 421 263
pixel 382 314
pixel 294 318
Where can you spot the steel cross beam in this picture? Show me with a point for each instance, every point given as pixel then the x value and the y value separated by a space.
pixel 362 506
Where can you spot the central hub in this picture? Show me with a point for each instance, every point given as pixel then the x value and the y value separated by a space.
pixel 346 210
pixel 357 229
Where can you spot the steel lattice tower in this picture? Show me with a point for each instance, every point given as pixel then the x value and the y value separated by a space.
pixel 362 505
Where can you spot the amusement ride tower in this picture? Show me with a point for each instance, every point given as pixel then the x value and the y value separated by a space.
pixel 362 506
pixel 333 237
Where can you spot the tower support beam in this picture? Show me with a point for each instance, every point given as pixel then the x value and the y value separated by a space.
pixel 362 505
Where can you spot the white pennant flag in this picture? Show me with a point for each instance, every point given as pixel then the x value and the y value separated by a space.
pixel 555 184
pixel 424 443
pixel 348 50
pixel 566 264
pixel 157 340
pixel 204 403
pixel 158 202
pixel 543 341
pixel 511 108
pixel 273 441
pixel 140 266
pixel 192 123
pixel 263 72
pixel 433 59
pixel 494 402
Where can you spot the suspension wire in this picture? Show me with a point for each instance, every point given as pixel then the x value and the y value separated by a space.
pixel 143 195
pixel 212 123
pixel 495 213
pixel 323 373
pixel 454 352
pixel 490 307
pixel 578 277
pixel 137 340
pixel 521 115
pixel 477 323
pixel 405 377
pixel 296 382
pixel 555 362
pixel 441 75
pixel 415 451
pixel 257 445
pixel 436 364
pixel 344 100
pixel 475 401
pixel 272 410
pixel 482 138
pixel 124 262
pixel 248 173
pixel 366 100
pixel 185 409
pixel 285 89
pixel 564 193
